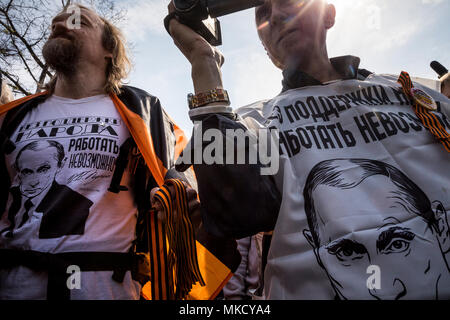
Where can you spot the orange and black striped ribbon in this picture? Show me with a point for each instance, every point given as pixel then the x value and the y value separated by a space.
pixel 428 119
pixel 160 277
pixel 175 267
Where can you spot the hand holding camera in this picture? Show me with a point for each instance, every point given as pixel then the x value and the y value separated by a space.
pixel 205 59
pixel 194 47
pixel 201 15
pixel 197 37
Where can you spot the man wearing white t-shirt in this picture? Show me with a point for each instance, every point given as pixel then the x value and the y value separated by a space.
pixel 370 238
pixel 77 163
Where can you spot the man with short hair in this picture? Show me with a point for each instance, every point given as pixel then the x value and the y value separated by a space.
pixel 77 165
pixel 328 109
pixel 409 226
pixel 37 165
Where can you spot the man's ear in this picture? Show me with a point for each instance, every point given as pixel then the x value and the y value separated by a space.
pixel 308 235
pixel 309 238
pixel 63 163
pixel 330 16
pixel 109 56
pixel 443 232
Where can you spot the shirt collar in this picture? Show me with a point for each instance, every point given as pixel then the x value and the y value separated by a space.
pixel 347 66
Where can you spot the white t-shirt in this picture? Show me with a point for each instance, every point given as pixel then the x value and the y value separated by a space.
pixel 61 169
pixel 356 169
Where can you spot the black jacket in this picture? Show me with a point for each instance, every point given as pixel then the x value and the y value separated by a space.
pixel 152 150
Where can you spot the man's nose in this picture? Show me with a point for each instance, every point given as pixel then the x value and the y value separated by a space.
pixel 391 288
pixel 34 181
pixel 59 26
pixel 278 15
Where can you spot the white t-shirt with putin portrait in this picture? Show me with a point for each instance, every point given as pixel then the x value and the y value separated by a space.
pixel 365 193
pixel 61 169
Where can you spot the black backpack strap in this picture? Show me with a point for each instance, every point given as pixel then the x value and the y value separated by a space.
pixel 121 165
pixel 6 145
pixel 56 266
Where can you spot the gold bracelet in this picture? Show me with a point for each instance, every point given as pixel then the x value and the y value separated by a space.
pixel 205 98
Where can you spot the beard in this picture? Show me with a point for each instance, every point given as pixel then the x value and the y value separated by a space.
pixel 62 54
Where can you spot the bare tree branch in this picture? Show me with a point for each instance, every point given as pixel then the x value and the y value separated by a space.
pixel 16 84
pixel 12 28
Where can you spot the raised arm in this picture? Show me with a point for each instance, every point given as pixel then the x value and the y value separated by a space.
pixel 237 200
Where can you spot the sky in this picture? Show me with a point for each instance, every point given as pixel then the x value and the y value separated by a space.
pixel 389 37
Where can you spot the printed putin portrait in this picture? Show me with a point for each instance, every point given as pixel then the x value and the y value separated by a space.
pixel 65 211
pixel 364 213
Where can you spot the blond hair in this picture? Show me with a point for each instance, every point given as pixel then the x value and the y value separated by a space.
pixel 6 94
pixel 118 67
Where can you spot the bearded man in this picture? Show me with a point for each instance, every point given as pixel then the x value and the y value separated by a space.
pixel 78 163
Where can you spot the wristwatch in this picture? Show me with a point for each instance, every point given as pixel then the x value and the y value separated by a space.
pixel 205 98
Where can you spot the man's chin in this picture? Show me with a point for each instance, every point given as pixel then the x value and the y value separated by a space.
pixel 61 54
pixel 31 194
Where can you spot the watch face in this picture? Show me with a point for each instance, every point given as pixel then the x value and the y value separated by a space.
pixel 184 5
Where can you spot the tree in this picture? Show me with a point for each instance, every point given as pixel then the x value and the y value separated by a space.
pixel 24 28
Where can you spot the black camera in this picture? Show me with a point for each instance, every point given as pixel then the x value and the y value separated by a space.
pixel 201 15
